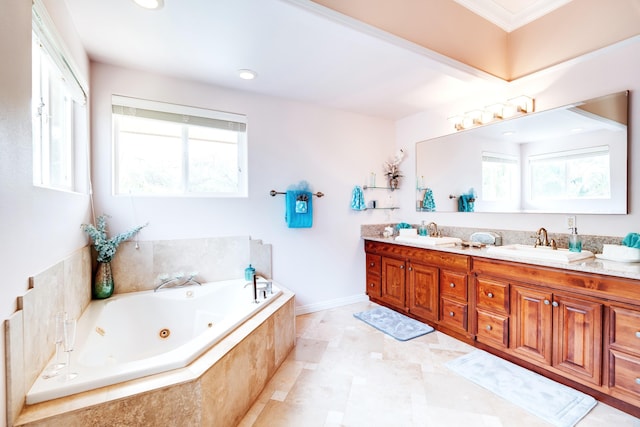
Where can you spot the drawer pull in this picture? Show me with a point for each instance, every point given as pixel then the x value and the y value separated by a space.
pixel 555 304
pixel 490 295
pixel 410 268
pixel 547 302
pixel 452 285
pixel 638 334
pixel 372 285
pixel 488 328
pixel 451 313
pixel 638 381
pixel 402 267
pixel 372 264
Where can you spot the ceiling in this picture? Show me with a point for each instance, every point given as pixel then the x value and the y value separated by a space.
pixel 301 51
pixel 511 14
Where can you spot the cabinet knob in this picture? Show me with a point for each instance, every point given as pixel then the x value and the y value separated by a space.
pixel 452 285
pixel 372 285
pixel 371 264
pixel 451 313
pixel 638 334
pixel 547 302
pixel 637 380
pixel 410 268
pixel 488 328
pixel 490 295
pixel 555 304
pixel 402 267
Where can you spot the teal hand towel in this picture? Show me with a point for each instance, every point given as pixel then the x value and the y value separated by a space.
pixel 357 199
pixel 298 209
pixel 428 203
pixel 632 240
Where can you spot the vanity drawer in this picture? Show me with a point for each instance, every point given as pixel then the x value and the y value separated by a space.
pixel 492 295
pixel 492 329
pixel 625 329
pixel 625 373
pixel 453 285
pixel 453 314
pixel 374 264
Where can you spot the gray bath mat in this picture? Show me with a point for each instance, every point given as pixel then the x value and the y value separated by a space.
pixel 392 323
pixel 555 403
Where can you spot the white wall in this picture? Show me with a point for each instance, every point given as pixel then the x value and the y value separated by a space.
pixel 288 142
pixel 607 71
pixel 38 227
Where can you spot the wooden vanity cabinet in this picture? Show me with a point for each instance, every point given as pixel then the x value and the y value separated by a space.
pixel 411 278
pixel 582 329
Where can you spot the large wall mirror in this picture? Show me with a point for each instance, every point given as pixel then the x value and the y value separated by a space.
pixel 571 159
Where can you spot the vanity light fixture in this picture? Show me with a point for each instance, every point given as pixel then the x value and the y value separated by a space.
pixel 150 4
pixel 247 74
pixel 519 105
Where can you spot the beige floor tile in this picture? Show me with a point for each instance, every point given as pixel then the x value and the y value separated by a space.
pixel 345 373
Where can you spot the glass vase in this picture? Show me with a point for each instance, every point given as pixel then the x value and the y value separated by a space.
pixel 103 282
pixel 394 183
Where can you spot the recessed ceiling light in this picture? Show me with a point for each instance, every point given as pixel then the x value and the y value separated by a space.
pixel 508 133
pixel 150 4
pixel 247 74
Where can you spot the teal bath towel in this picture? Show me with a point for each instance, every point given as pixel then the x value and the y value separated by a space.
pixel 299 209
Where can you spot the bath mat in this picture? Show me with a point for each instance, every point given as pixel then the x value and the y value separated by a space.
pixel 555 403
pixel 392 323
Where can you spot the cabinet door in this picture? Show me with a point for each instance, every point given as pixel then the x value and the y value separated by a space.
pixel 531 333
pixel 423 291
pixel 577 344
pixel 393 282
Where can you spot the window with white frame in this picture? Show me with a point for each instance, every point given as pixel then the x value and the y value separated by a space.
pixel 59 124
pixel 165 149
pixel 573 174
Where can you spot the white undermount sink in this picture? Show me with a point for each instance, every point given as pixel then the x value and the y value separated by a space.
pixel 540 253
pixel 429 241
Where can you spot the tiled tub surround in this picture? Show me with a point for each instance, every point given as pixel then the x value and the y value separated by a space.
pixel 29 333
pixel 136 334
pixel 217 389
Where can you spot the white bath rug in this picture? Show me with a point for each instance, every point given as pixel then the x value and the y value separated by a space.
pixel 555 403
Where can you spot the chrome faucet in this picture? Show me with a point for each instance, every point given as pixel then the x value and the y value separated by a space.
pixel 177 281
pixel 432 229
pixel 542 239
pixel 267 289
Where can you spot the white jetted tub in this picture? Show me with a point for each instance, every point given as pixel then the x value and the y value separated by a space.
pixel 136 334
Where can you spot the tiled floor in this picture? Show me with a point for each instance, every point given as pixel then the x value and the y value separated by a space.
pixel 343 372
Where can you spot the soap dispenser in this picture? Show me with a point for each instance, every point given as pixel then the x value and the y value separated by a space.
pixel 422 230
pixel 575 241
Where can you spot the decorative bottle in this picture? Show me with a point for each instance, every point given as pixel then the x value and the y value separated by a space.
pixel 422 230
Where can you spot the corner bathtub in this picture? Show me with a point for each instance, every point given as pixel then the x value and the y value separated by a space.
pixel 136 334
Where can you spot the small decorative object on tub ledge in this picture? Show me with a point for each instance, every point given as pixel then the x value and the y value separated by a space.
pixel 298 205
pixel 103 285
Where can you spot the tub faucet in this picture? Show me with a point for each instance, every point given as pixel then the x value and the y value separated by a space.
pixel 177 281
pixel 267 289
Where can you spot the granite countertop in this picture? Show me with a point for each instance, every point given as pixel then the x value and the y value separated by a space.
pixel 592 265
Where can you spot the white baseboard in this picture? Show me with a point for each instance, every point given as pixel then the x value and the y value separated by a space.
pixel 325 305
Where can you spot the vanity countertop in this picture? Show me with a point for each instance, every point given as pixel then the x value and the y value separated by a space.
pixel 593 265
